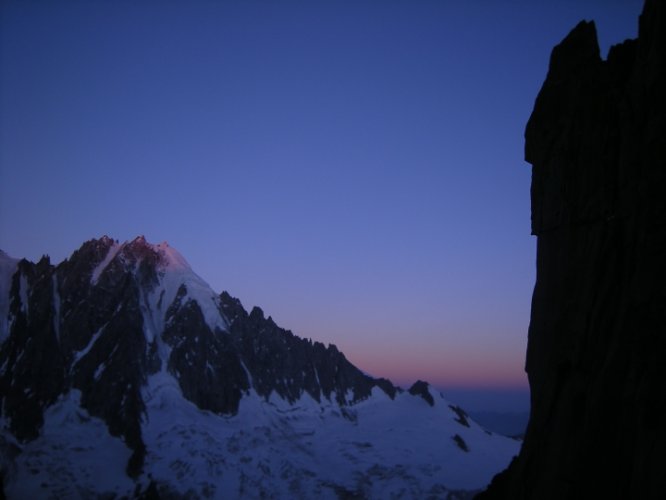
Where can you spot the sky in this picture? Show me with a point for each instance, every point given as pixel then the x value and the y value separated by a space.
pixel 353 168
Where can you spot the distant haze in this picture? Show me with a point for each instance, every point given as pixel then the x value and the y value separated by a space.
pixel 354 168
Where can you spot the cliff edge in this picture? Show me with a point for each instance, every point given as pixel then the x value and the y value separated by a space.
pixel 596 357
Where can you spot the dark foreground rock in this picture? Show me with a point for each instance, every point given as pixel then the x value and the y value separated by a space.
pixel 597 339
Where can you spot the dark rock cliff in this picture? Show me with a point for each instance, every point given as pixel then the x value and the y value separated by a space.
pixel 597 339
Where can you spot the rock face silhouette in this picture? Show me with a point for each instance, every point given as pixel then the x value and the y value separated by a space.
pixel 597 338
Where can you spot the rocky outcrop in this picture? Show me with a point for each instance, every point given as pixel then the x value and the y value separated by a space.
pixel 597 337
pixel 281 362
pixel 422 389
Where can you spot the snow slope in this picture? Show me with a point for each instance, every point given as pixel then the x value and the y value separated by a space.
pixel 74 457
pixel 174 272
pixel 378 448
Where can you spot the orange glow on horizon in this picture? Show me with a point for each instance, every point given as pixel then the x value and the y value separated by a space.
pixel 460 371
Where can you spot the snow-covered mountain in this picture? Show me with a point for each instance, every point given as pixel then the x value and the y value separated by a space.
pixel 122 374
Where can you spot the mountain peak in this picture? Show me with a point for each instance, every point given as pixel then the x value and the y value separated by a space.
pixel 162 256
pixel 123 344
pixel 165 256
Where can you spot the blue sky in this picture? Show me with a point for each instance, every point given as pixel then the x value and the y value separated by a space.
pixel 354 168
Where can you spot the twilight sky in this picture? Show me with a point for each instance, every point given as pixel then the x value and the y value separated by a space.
pixel 354 168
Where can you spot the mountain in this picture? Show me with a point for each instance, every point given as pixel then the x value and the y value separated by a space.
pixel 122 374
pixel 597 337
